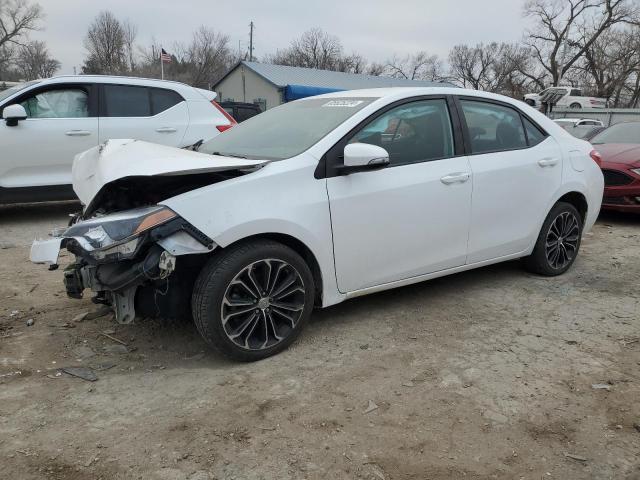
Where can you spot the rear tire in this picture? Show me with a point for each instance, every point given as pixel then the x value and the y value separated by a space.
pixel 252 300
pixel 558 242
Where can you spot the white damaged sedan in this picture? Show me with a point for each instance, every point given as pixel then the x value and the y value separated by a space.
pixel 321 200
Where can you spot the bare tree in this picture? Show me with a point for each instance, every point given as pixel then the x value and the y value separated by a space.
pixel 494 67
pixel 611 63
pixel 316 48
pixel 17 18
pixel 566 29
pixel 130 33
pixel 354 63
pixel 419 66
pixel 106 43
pixel 313 49
pixel 205 59
pixel 375 69
pixel 33 61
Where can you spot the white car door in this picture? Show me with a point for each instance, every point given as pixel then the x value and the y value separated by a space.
pixel 152 114
pixel 516 171
pixel 410 218
pixel 39 151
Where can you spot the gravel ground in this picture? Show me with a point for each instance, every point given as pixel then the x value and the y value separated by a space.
pixel 484 374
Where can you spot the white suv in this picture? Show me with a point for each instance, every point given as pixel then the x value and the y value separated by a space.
pixel 47 122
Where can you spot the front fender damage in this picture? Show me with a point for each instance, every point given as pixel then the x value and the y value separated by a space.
pixel 153 272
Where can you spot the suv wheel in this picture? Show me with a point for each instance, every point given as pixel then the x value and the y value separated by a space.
pixel 252 300
pixel 558 242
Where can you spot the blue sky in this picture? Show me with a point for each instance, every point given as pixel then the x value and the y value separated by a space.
pixel 377 29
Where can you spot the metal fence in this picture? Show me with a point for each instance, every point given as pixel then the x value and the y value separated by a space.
pixel 608 116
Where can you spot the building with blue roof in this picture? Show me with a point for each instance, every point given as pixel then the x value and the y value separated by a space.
pixel 271 85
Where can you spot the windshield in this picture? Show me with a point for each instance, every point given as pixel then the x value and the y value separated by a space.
pixel 620 133
pixel 16 88
pixel 287 130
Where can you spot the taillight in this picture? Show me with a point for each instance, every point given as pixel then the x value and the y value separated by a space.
pixel 595 155
pixel 222 128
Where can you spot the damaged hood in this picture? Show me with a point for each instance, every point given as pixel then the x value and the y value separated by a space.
pixel 117 159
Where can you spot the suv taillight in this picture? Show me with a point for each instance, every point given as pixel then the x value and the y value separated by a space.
pixel 232 122
pixel 595 155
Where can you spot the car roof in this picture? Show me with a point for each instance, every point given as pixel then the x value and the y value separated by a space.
pixel 398 93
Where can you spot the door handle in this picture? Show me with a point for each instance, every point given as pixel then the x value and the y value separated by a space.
pixel 77 133
pixel 547 162
pixel 458 177
pixel 166 130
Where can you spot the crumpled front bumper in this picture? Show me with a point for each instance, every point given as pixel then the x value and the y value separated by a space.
pixel 116 280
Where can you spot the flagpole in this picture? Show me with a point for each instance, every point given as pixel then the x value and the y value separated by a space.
pixel 161 65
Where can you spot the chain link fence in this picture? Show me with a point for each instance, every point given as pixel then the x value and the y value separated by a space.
pixel 608 116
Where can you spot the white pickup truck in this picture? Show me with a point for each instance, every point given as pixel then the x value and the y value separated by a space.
pixel 572 98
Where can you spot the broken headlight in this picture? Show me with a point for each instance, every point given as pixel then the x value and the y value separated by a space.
pixel 117 233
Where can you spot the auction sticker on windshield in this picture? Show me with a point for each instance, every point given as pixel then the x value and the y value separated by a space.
pixel 343 103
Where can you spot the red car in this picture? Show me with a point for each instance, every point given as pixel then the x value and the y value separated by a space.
pixel 619 147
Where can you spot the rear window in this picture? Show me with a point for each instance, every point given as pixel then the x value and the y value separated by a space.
pixel 126 101
pixel 162 100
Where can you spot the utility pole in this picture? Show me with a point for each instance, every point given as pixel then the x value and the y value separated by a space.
pixel 251 41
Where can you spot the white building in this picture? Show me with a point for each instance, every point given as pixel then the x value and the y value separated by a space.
pixel 271 85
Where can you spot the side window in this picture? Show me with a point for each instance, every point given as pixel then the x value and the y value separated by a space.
pixel 534 135
pixel 413 132
pixel 58 103
pixel 126 101
pixel 492 127
pixel 575 93
pixel 162 100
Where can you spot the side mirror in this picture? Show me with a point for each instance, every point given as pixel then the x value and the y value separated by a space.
pixel 14 113
pixel 359 157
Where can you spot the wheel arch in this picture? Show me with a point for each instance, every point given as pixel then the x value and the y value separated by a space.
pixel 570 194
pixel 297 246
pixel 578 200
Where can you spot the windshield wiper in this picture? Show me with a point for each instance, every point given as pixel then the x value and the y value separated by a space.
pixel 219 154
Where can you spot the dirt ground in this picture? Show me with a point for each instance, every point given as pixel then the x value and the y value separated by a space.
pixel 485 374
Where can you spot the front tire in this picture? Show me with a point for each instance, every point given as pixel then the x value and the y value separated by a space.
pixel 575 106
pixel 558 243
pixel 252 300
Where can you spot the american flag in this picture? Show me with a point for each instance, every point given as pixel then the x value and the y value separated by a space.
pixel 164 56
